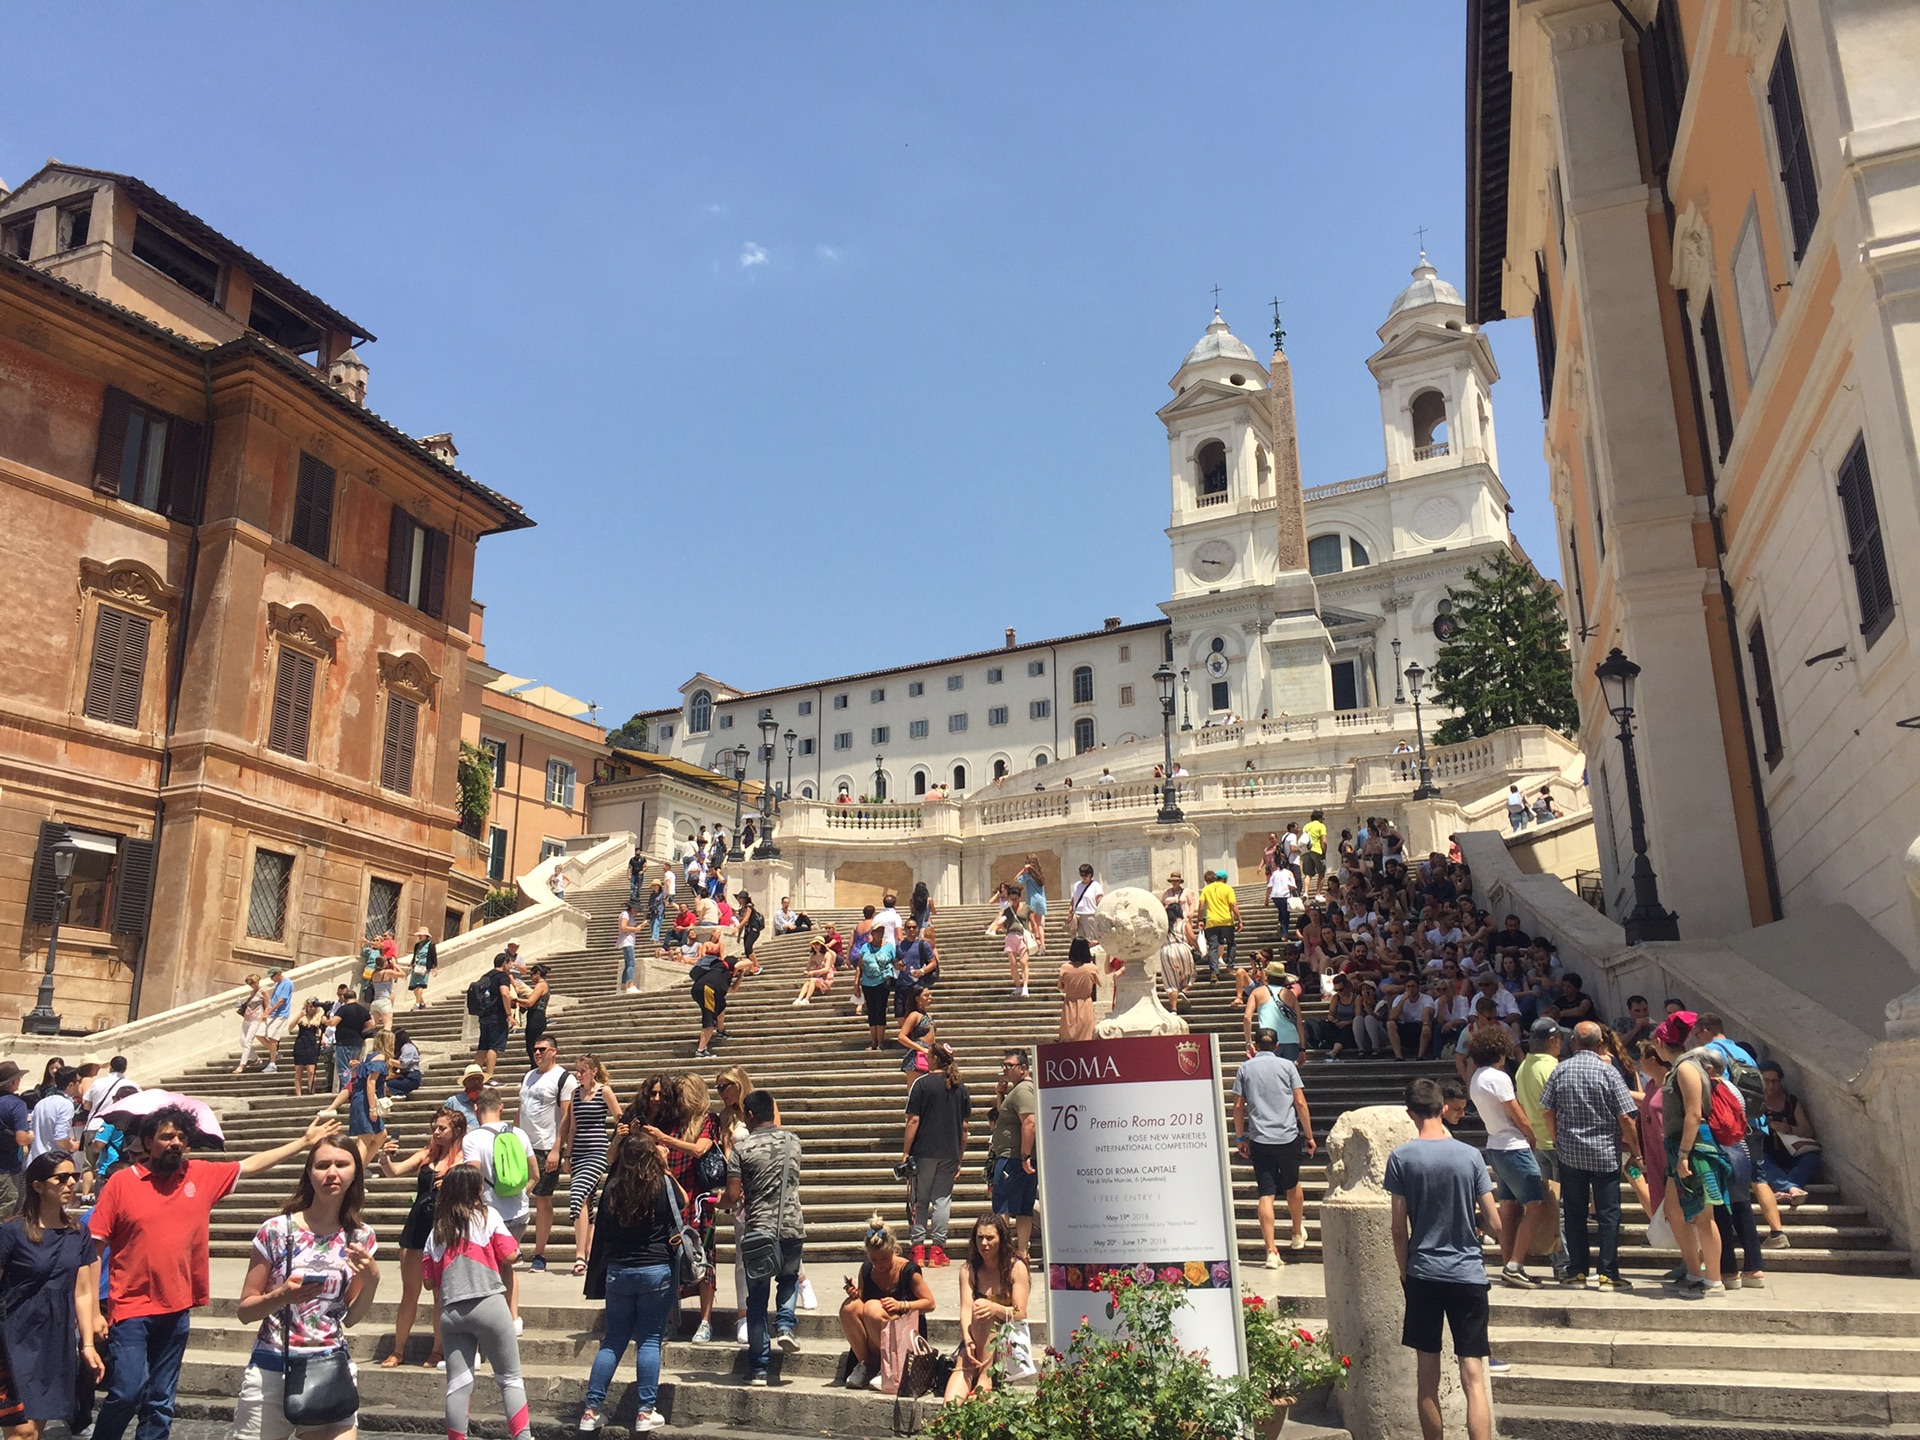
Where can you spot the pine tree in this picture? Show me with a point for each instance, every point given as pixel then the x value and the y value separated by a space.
pixel 1507 662
pixel 630 736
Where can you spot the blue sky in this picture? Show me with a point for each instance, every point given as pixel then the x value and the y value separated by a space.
pixel 816 337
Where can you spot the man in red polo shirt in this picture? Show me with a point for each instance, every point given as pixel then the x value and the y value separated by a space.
pixel 154 1219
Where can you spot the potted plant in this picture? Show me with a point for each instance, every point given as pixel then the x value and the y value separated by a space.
pixel 1286 1360
pixel 1139 1383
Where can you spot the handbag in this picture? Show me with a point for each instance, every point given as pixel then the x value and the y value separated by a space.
pixel 690 1266
pixel 926 1371
pixel 319 1389
pixel 711 1168
pixel 1546 1230
pixel 896 1347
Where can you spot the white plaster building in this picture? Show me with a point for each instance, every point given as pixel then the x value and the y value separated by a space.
pixel 1283 601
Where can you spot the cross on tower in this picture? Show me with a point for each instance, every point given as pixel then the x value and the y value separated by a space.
pixel 1216 297
pixel 1279 334
pixel 1421 231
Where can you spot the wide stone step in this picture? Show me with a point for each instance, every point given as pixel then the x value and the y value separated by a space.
pixel 1711 1394
pixel 1630 1349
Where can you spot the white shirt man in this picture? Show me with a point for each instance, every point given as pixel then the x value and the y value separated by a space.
pixel 1445 933
pixel 887 919
pixel 477 1149
pixel 1505 1007
pixel 1086 901
pixel 1281 886
pixel 666 882
pixel 784 919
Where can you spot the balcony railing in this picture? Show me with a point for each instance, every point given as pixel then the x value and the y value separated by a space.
pixel 1431 452
pixel 1218 497
pixel 874 817
pixel 1346 487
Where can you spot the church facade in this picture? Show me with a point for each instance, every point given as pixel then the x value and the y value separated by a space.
pixel 1285 600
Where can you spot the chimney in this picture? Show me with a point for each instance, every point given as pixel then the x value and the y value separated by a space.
pixel 1112 622
pixel 476 624
pixel 441 447
pixel 1009 637
pixel 348 375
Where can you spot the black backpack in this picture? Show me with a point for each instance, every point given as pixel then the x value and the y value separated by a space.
pixel 1751 1084
pixel 479 1000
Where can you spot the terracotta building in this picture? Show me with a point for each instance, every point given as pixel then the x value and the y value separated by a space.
pixel 236 657
pixel 1709 209
pixel 541 749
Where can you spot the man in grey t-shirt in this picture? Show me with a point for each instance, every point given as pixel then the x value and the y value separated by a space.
pixel 764 1174
pixel 1271 1127
pixel 1440 1189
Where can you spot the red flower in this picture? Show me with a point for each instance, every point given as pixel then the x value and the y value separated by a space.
pixel 1347 1360
pixel 1306 1335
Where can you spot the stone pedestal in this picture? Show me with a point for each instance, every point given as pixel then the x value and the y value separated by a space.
pixel 766 881
pixel 1428 825
pixel 1364 1301
pixel 1299 653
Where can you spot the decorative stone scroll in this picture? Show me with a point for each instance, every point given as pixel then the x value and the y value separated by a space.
pixel 128 582
pixel 1693 254
pixel 304 628
pixel 408 675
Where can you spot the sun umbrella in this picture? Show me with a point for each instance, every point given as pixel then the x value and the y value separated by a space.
pixel 206 1133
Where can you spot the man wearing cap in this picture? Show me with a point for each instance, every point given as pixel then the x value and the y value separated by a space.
pixel 16 1134
pixel 472 1081
pixel 1529 1082
pixel 1271 1127
pixel 279 1016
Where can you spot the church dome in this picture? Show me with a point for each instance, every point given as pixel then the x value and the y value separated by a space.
pixel 1219 343
pixel 1427 289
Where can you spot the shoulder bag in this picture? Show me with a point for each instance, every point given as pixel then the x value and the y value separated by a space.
pixel 759 1250
pixel 690 1266
pixel 319 1390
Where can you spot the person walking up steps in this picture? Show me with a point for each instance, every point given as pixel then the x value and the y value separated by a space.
pixel 934 1143
pixel 584 1143
pixel 1220 915
pixel 1440 1190
pixel 503 1154
pixel 629 931
pixel 467 1257
pixel 1271 1129
pixel 763 1175
pixel 1087 893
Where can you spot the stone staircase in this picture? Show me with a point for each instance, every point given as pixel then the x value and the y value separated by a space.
pixel 1571 1358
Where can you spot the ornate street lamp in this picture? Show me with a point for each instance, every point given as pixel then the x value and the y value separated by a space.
pixel 879 779
pixel 769 729
pixel 1169 798
pixel 41 1020
pixel 1186 701
pixel 1399 695
pixel 1426 789
pixel 789 737
pixel 738 757
pixel 1649 920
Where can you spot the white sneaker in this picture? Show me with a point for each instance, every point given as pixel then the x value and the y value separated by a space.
pixel 1274 1261
pixel 652 1420
pixel 857 1378
pixel 1298 1242
pixel 876 1382
pixel 808 1300
pixel 803 1002
pixel 1023 992
pixel 268 1068
pixel 655 1414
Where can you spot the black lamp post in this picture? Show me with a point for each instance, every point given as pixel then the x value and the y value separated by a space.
pixel 769 729
pixel 1399 695
pixel 1426 789
pixel 738 757
pixel 879 779
pixel 41 1020
pixel 1186 701
pixel 1169 795
pixel 789 737
pixel 1648 920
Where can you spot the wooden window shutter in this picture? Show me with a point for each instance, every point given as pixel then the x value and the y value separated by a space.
pixel 1716 377
pixel 399 552
pixel 43 889
pixel 292 721
pixel 180 482
pixel 132 887
pixel 117 672
pixel 397 745
pixel 313 507
pixel 1796 154
pixel 433 585
pixel 1763 696
pixel 1866 550
pixel 113 441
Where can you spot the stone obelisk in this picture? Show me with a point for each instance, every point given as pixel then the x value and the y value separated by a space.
pixel 1299 649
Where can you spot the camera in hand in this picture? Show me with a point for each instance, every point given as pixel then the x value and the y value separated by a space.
pixel 904 1169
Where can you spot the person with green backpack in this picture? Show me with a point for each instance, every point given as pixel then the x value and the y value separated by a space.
pixel 503 1154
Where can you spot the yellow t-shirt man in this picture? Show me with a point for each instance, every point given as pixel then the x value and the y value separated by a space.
pixel 1217 904
pixel 1316 837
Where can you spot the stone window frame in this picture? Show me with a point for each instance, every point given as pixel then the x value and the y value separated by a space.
pixel 408 676
pixel 305 629
pixel 287 947
pixel 136 587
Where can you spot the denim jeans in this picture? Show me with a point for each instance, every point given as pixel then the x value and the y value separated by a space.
pixel 653 929
pixel 759 1338
pixel 1577 1187
pixel 641 1300
pixel 626 966
pixel 143 1370
pixel 1286 918
pixel 1796 1176
pixel 1220 938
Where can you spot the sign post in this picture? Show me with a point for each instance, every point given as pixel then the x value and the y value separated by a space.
pixel 1134 1179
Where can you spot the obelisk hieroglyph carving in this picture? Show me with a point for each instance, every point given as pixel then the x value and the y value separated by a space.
pixel 1299 650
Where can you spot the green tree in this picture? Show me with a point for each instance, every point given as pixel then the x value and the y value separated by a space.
pixel 476 787
pixel 630 736
pixel 1507 662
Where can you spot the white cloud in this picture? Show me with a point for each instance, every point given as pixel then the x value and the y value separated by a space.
pixel 752 255
pixel 716 209
pixel 826 252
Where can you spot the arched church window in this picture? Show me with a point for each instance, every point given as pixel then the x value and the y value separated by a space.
pixel 999 771
pixel 919 782
pixel 1212 462
pixel 1357 553
pixel 1323 555
pixel 959 778
pixel 1082 735
pixel 1429 414
pixel 1083 684
pixel 700 713
pixel 806 792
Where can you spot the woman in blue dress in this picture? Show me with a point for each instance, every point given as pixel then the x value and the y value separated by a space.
pixel 50 1294
pixel 1033 887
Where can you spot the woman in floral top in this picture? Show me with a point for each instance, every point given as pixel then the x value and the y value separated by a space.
pixel 313 1274
pixel 685 1129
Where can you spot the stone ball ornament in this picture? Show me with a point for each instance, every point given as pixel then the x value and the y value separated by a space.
pixel 1131 926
